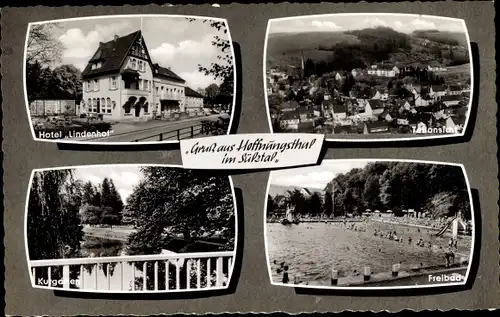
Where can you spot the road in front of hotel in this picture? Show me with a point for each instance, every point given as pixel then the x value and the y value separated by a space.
pixel 123 132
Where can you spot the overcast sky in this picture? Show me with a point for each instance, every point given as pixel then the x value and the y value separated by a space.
pixel 405 23
pixel 172 42
pixel 124 177
pixel 315 176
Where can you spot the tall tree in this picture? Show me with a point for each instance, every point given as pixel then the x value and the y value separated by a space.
pixel 53 222
pixel 271 208
pixel 315 204
pixel 328 205
pixel 179 203
pixel 223 70
pixel 296 199
pixel 111 203
pixel 88 193
pixel 66 82
pixel 43 47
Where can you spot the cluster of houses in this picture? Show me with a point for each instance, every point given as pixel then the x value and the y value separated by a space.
pixel 408 109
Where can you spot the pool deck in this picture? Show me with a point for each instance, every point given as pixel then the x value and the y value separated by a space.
pixel 421 276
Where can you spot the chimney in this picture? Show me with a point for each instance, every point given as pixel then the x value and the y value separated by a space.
pixel 115 37
pixel 100 43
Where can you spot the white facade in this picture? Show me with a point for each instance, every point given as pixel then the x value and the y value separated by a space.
pixel 168 90
pixel 135 91
pixel 193 103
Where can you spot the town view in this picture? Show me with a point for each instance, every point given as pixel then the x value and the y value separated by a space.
pixel 126 228
pixel 368 76
pixel 362 223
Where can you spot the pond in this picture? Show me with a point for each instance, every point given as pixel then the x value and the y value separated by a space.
pixel 121 274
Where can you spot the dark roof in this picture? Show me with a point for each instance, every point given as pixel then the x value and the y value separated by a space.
pixel 385 113
pixel 454 87
pixel 414 120
pixel 289 115
pixel 377 127
pixel 401 102
pixel 289 105
pixel 376 104
pixel 111 54
pixel 438 88
pixel 339 107
pixel 166 73
pixel 352 101
pixel 304 110
pixel 458 120
pixel 451 98
pixel 191 93
pixel 342 129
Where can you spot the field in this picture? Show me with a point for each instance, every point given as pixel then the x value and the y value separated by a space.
pixel 457 74
pixel 284 49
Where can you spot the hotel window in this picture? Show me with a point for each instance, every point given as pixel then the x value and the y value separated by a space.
pixel 96 85
pixel 146 85
pixel 140 65
pixel 89 105
pixel 113 104
pixel 133 64
pixel 103 105
pixel 91 85
pixel 108 105
pixel 157 90
pixel 94 105
pixel 141 84
pixel 99 65
pixel 93 67
pixel 113 82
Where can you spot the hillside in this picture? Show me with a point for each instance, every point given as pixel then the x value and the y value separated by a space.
pixel 448 38
pixel 284 49
pixel 367 46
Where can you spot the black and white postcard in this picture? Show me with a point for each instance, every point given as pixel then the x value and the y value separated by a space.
pixel 370 224
pixel 129 78
pixel 368 76
pixel 130 228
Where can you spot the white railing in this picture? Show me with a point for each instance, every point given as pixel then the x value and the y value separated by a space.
pixel 197 264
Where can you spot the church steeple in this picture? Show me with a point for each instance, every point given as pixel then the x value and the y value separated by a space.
pixel 302 65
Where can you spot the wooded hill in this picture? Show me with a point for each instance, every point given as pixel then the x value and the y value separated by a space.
pixel 440 190
pixel 361 48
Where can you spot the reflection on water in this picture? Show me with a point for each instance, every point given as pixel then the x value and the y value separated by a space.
pixel 121 274
pixel 311 249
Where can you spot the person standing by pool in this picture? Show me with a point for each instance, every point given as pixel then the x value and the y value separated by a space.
pixel 450 257
pixel 285 279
